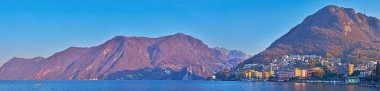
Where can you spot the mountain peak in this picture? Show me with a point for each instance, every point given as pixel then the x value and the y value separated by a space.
pixel 119 37
pixel 331 7
pixel 180 34
pixel 38 58
pixel 32 59
pixel 334 17
pixel 16 58
pixel 336 10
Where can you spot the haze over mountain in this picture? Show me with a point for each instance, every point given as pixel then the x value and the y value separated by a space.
pixel 174 57
pixel 332 32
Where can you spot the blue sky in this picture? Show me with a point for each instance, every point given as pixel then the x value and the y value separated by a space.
pixel 30 28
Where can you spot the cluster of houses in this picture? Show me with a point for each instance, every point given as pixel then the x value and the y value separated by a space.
pixel 304 66
pixel 258 75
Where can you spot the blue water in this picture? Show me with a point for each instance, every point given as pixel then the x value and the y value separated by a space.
pixel 163 85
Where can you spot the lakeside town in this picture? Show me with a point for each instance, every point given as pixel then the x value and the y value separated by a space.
pixel 307 68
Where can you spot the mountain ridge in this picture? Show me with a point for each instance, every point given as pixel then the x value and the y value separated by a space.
pixel 332 31
pixel 173 57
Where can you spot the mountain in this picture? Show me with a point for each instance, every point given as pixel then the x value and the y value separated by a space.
pixel 174 57
pixel 231 58
pixel 30 66
pixel 332 32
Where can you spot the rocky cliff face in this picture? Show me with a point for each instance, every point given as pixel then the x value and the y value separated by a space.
pixel 331 31
pixel 176 57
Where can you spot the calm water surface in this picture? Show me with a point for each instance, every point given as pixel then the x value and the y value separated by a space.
pixel 39 85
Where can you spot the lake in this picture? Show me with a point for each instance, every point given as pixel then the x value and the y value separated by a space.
pixel 163 85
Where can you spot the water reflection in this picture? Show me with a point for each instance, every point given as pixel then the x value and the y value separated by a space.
pixel 300 86
pixel 350 88
pixel 174 86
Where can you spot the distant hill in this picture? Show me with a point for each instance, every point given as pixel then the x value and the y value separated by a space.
pixel 174 57
pixel 332 32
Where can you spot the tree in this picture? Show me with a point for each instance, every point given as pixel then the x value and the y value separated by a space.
pixel 293 79
pixel 377 71
pixel 318 73
pixel 222 75
pixel 356 73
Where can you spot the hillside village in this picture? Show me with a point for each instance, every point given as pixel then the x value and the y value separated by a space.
pixel 302 68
